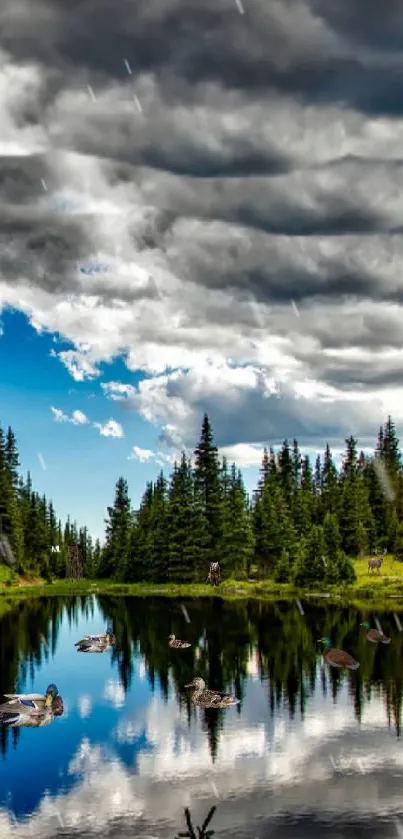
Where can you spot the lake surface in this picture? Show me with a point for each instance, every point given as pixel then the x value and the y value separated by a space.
pixel 310 751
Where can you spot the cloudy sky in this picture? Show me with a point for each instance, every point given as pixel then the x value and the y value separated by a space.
pixel 200 210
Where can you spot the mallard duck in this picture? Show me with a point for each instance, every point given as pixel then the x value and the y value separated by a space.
pixel 105 638
pixel 29 702
pixel 32 717
pixel 96 643
pixel 89 646
pixel 176 644
pixel 375 635
pixel 338 658
pixel 210 698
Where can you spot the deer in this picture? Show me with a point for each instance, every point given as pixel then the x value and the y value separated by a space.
pixel 214 575
pixel 375 562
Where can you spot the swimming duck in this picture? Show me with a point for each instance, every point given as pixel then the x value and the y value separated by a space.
pixel 375 635
pixel 210 698
pixel 92 643
pixel 338 658
pixel 92 646
pixel 29 702
pixel 176 644
pixel 32 717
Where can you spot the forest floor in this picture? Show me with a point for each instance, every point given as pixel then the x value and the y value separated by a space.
pixel 384 590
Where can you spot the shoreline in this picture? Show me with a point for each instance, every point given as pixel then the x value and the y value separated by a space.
pixel 378 592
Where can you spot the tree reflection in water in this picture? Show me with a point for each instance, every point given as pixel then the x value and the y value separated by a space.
pixel 230 641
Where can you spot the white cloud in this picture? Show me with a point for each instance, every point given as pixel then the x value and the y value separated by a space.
pixel 78 418
pixel 84 706
pixel 110 428
pixel 143 455
pixel 114 692
pixel 243 454
pixel 59 415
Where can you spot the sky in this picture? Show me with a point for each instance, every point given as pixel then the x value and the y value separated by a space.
pixel 200 210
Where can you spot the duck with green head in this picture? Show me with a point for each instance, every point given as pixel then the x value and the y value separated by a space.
pixel 375 636
pixel 337 658
pixel 96 643
pixel 31 709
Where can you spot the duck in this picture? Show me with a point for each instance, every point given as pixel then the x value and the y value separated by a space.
pixel 176 644
pixel 32 717
pixel 29 703
pixel 210 698
pixel 375 635
pixel 338 658
pixel 92 646
pixel 95 641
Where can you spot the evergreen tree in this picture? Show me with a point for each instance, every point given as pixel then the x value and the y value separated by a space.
pixel 115 556
pixel 159 548
pixel 311 567
pixel 181 548
pixel 237 541
pixel 207 486
pixel 139 569
pixel 12 458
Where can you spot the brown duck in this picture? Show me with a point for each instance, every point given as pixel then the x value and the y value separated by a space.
pixel 176 644
pixel 376 636
pixel 210 698
pixel 338 658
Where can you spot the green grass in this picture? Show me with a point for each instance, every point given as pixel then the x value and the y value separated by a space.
pixel 383 590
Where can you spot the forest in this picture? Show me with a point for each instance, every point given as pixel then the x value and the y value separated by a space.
pixel 30 521
pixel 305 522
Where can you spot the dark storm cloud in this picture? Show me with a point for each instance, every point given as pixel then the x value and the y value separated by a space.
pixel 371 331
pixel 352 374
pixel 362 22
pixel 40 247
pixel 20 179
pixel 209 41
pixel 255 417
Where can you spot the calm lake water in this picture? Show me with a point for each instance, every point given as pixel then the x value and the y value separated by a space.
pixel 310 752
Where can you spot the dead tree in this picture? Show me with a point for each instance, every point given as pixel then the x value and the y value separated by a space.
pixel 74 565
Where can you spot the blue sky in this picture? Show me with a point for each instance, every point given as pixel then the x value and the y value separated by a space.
pixel 82 466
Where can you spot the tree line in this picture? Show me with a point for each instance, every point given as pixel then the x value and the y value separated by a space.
pixel 304 523
pixel 30 522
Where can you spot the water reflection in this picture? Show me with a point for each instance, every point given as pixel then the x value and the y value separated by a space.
pixel 307 746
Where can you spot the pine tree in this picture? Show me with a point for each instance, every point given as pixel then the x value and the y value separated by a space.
pixel 115 556
pixel 11 457
pixel 287 473
pixel 181 567
pixel 330 495
pixel 207 486
pixel 237 542
pixel 139 569
pixel 312 565
pixel 159 549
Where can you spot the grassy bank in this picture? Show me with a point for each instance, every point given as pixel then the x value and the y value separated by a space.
pixel 384 590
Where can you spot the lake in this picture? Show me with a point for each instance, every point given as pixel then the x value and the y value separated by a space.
pixel 310 751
